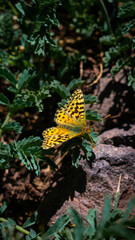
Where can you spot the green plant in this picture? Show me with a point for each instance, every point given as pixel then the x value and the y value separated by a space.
pixel 114 224
pixel 39 17
pixel 121 42
pixel 114 23
pixel 29 150
pixel 31 25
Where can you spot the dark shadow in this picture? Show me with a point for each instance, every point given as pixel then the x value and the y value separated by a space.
pixel 92 159
pixel 66 184
pixel 123 103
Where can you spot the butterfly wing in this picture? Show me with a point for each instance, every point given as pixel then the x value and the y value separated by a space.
pixel 73 113
pixel 56 135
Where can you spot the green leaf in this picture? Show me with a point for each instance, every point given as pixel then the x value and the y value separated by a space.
pixel 107 39
pixel 3 57
pixel 4 72
pixel 79 230
pixel 23 157
pixel 89 99
pixel 130 206
pixel 93 115
pixel 5 155
pixel 28 237
pixel 60 89
pixel 92 220
pixel 11 221
pixel 116 215
pixel 12 89
pixel 94 136
pixel 67 234
pixel 131 78
pixel 119 65
pixel 20 6
pixel 126 10
pixel 12 126
pixel 110 55
pixel 31 220
pixel 27 151
pixel 128 27
pixel 41 42
pixel 105 218
pixel 17 105
pixel 32 233
pixel 34 97
pixel 75 156
pixel 75 83
pixel 41 16
pixel 62 103
pixel 119 231
pixel 57 227
pixel 3 207
pixel 29 145
pixel 25 78
pixel 4 100
pixel 35 164
pixel 87 149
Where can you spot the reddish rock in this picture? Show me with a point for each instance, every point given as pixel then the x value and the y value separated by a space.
pixel 87 186
pixel 119 137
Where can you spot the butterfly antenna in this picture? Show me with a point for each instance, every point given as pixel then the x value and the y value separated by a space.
pixel 101 120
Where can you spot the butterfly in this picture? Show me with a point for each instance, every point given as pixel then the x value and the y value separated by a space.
pixel 70 120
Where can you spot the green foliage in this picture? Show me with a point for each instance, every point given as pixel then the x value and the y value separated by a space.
pixel 131 78
pixel 6 29
pixel 112 23
pixel 3 207
pixel 4 100
pixel 127 9
pixel 12 126
pixel 29 150
pixel 31 221
pixel 57 227
pixel 63 91
pixel 114 224
pixel 39 17
pixel 26 150
pixel 84 21
pixel 121 42
pixel 9 226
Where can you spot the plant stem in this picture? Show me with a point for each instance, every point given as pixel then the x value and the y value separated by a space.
pixel 106 15
pixel 20 229
pixel 12 7
pixel 116 202
pixel 4 123
pixel 17 227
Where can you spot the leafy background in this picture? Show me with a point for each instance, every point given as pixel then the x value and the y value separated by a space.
pixel 44 45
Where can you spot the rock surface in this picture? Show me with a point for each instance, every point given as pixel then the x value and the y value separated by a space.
pixel 87 186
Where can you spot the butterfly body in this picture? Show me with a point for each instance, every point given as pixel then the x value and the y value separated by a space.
pixel 70 120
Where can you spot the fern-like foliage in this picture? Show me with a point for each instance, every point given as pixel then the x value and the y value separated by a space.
pixel 42 16
pixel 26 150
pixel 122 43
